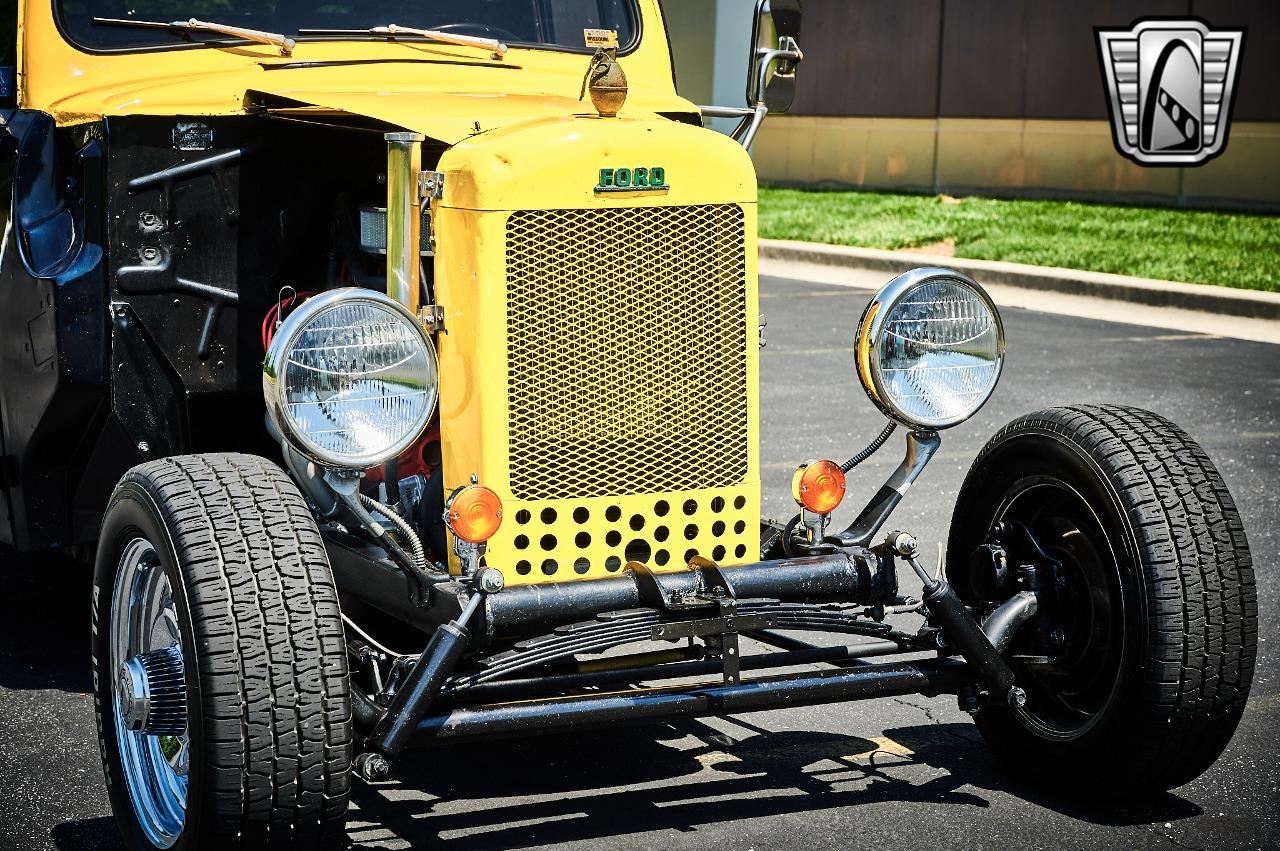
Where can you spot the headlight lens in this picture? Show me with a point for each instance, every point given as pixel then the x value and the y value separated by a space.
pixel 351 379
pixel 930 348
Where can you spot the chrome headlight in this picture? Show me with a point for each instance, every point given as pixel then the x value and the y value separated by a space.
pixel 351 379
pixel 930 348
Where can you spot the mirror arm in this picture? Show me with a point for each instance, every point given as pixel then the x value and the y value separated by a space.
pixel 745 133
pixel 749 120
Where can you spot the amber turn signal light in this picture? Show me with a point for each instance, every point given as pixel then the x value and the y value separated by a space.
pixel 475 513
pixel 818 486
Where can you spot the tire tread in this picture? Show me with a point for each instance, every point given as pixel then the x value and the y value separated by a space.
pixel 1200 636
pixel 273 676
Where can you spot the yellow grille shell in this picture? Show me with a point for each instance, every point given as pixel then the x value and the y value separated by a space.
pixel 572 318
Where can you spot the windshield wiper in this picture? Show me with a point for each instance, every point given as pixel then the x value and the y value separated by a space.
pixel 392 30
pixel 279 40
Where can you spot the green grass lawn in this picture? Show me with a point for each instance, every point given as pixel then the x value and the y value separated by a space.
pixel 1203 247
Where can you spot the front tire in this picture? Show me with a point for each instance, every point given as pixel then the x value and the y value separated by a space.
pixel 219 663
pixel 1153 602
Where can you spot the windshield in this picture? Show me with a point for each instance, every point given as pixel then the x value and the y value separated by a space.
pixel 547 23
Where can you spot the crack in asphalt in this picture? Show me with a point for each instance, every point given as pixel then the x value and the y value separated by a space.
pixel 946 727
pixel 1153 829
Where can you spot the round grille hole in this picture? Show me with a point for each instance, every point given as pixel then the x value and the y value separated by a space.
pixel 639 550
pixel 637 523
pixel 612 564
pixel 548 542
pixel 550 566
pixel 581 515
pixel 522 542
pixel 717 504
pixel 739 527
pixel 523 516
pixel 583 540
pixel 613 538
pixel 581 566
pixel 718 553
pixel 661 533
pixel 613 514
pixel 691 531
pixel 689 555
pixel 717 528
pixel 548 515
pixel 740 551
pixel 661 507
pixel 690 507
pixel 662 557
pixel 523 568
pixel 740 503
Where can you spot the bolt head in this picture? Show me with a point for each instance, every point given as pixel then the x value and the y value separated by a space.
pixel 1017 697
pixel 374 767
pixel 491 581
pixel 904 544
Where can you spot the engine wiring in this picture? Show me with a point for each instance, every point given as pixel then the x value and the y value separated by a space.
pixel 277 312
pixel 871 448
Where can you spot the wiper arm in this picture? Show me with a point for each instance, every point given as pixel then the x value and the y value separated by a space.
pixel 491 44
pixel 279 40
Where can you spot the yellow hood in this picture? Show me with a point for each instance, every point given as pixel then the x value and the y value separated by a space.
pixel 442 91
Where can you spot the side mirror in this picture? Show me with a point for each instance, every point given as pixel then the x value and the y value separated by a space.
pixel 771 76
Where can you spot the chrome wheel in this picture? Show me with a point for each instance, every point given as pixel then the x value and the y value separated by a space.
pixel 150 706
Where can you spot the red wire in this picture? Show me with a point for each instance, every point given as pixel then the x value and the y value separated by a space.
pixel 278 311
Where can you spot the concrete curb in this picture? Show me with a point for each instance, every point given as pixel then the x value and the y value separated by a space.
pixel 1252 304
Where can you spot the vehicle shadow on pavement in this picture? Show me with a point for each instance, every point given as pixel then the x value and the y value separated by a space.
pixel 91 834
pixel 44 622
pixel 677 777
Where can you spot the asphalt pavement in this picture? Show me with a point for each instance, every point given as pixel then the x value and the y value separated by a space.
pixel 899 773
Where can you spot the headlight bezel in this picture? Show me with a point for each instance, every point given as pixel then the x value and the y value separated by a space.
pixel 871 339
pixel 275 387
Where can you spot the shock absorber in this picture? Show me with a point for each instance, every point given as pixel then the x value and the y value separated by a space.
pixel 960 629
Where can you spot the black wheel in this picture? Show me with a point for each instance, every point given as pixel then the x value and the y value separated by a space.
pixel 1150 621
pixel 219 663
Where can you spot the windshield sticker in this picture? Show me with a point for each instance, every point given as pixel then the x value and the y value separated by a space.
pixel 600 38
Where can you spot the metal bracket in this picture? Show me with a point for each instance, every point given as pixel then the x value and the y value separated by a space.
pixel 719 633
pixel 431 184
pixel 431 318
pixel 727 624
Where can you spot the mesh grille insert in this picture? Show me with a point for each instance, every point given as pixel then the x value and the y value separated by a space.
pixel 626 350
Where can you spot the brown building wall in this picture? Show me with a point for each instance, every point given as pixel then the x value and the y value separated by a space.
pixel 1006 97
